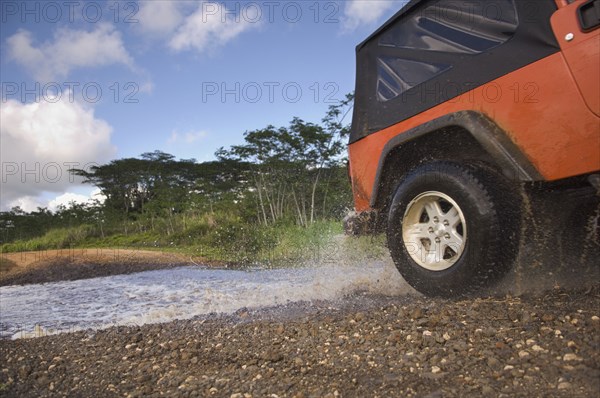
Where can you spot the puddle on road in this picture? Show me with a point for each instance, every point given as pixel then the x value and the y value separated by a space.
pixel 180 293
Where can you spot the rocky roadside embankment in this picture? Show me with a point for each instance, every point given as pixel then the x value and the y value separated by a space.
pixel 363 346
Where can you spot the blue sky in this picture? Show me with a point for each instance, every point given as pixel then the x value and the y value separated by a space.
pixel 85 82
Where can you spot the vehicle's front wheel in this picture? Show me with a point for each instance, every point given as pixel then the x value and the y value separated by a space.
pixel 453 228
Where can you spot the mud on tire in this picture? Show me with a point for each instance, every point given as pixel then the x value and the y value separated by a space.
pixel 453 229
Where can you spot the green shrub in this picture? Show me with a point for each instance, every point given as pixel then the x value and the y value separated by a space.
pixel 213 237
pixel 59 238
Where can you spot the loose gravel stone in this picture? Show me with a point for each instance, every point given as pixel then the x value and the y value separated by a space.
pixel 361 346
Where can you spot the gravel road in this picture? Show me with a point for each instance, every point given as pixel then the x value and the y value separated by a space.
pixel 365 345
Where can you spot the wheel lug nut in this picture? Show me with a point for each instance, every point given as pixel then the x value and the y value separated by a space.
pixel 437 240
pixel 447 236
pixel 436 220
pixel 446 223
pixel 430 230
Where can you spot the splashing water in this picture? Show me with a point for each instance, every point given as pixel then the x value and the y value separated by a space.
pixel 180 293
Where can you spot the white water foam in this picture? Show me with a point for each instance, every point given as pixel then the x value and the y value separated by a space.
pixel 180 293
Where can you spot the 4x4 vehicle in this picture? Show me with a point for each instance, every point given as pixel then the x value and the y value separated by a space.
pixel 458 105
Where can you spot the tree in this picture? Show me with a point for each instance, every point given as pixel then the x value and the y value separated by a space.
pixel 289 163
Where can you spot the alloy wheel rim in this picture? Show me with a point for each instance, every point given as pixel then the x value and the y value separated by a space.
pixel 434 231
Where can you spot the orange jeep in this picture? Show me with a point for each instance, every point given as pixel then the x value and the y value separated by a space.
pixel 458 106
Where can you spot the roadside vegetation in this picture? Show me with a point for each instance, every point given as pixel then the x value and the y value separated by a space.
pixel 278 196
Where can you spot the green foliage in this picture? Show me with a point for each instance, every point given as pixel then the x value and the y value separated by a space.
pixel 57 238
pixel 222 239
pixel 295 170
pixel 360 248
pixel 267 199
pixel 272 245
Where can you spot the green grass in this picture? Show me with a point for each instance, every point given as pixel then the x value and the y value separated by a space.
pixel 225 239
pixel 274 245
pixel 59 238
pixel 360 248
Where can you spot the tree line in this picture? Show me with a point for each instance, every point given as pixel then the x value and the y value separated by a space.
pixel 292 174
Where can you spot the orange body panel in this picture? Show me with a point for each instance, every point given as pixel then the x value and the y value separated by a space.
pixel 541 108
pixel 582 53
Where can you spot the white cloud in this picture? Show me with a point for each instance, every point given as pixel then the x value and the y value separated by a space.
pixel 69 49
pixel 65 200
pixel 191 25
pixel 187 138
pixel 367 12
pixel 210 26
pixel 30 203
pixel 40 142
pixel 68 197
pixel 96 194
pixel 159 17
pixel 147 87
pixel 26 203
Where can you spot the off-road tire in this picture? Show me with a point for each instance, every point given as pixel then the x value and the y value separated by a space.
pixel 486 214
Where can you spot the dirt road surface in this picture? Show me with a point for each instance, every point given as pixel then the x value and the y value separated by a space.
pixel 363 345
pixel 72 264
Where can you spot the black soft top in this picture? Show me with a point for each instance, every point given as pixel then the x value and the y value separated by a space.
pixel 431 51
pixel 407 7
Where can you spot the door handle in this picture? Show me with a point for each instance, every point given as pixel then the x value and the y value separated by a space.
pixel 589 15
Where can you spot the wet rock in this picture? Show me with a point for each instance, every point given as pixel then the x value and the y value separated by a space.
pixel 571 357
pixel 395 337
pixel 272 356
pixel 357 347
pixel 24 371
pixel 487 391
pixel 416 313
pixel 524 354
pixel 565 385
pixel 494 363
pixel 548 317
